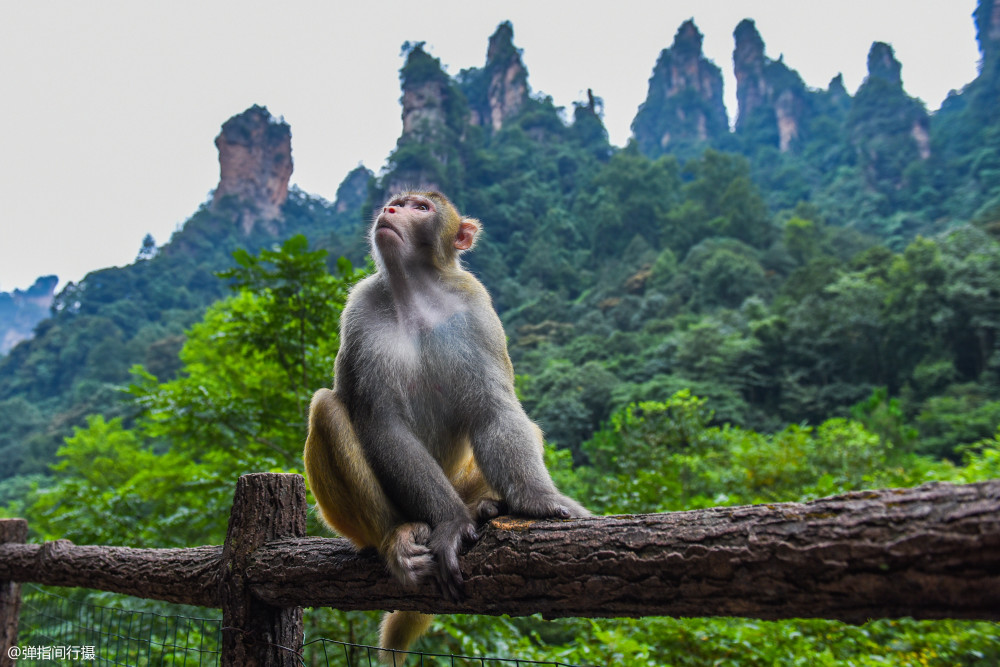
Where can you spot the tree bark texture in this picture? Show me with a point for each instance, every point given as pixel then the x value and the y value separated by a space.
pixel 929 552
pixel 256 634
pixel 11 531
pixel 185 576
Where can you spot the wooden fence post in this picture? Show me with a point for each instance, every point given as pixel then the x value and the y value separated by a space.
pixel 11 530
pixel 266 506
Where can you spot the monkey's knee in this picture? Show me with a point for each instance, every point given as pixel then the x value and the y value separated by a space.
pixel 350 499
pixel 406 552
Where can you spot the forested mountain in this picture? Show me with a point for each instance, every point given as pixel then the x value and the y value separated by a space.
pixel 806 303
pixel 776 268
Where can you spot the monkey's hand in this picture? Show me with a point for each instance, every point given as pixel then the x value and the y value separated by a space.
pixel 446 542
pixel 549 506
pixel 406 553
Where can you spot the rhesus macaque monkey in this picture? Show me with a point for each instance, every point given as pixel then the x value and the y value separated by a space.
pixel 422 435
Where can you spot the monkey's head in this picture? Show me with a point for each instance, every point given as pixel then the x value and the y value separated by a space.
pixel 421 229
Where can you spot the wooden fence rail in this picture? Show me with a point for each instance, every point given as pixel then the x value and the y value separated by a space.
pixel 929 552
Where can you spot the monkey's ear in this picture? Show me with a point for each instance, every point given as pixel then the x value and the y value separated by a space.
pixel 467 230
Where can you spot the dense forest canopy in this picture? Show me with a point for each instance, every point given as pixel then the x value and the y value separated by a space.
pixel 806 303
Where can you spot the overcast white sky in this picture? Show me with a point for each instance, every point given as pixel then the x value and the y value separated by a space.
pixel 110 107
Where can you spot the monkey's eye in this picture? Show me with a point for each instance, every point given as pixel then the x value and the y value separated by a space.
pixel 422 207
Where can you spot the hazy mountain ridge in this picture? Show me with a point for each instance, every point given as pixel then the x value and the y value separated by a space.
pixel 21 310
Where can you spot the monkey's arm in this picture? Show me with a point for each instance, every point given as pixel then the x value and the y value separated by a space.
pixel 509 448
pixel 418 486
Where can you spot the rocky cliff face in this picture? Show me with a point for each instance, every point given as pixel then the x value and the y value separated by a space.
pixel 776 108
pixel 438 111
pixel 21 310
pixel 771 95
pixel 887 128
pixel 748 60
pixel 883 129
pixel 353 189
pixel 987 17
pixel 255 165
pixel 434 116
pixel 433 106
pixel 968 121
pixel 684 105
pixel 423 109
pixel 499 90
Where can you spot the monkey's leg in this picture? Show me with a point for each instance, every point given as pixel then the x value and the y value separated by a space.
pixel 416 484
pixel 353 503
pixel 350 498
pixel 509 448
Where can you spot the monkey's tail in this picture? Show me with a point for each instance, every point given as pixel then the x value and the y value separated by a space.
pixel 399 629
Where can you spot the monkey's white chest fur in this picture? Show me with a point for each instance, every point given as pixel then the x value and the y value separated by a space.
pixel 435 361
pixel 428 361
pixel 434 377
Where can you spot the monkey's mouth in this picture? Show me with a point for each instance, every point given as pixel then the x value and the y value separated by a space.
pixel 385 226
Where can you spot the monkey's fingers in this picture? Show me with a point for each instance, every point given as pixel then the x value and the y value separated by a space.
pixel 489 509
pixel 449 577
pixel 469 534
pixel 446 542
pixel 552 506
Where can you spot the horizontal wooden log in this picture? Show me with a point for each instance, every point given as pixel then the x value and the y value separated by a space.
pixel 930 552
pixel 185 576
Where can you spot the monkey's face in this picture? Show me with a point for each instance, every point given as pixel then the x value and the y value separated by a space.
pixel 419 229
pixel 407 222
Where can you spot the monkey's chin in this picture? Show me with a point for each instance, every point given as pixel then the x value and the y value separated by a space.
pixel 388 241
pixel 387 238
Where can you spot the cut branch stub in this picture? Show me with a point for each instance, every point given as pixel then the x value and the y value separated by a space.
pixel 13 531
pixel 265 506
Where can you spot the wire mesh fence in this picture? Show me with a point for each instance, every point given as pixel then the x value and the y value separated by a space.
pixel 357 655
pixel 57 628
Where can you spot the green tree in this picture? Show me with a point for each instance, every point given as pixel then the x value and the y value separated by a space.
pixel 238 405
pixel 252 363
pixel 722 200
pixel 631 195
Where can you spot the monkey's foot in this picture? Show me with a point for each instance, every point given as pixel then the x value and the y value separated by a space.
pixel 407 554
pixel 489 508
pixel 550 506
